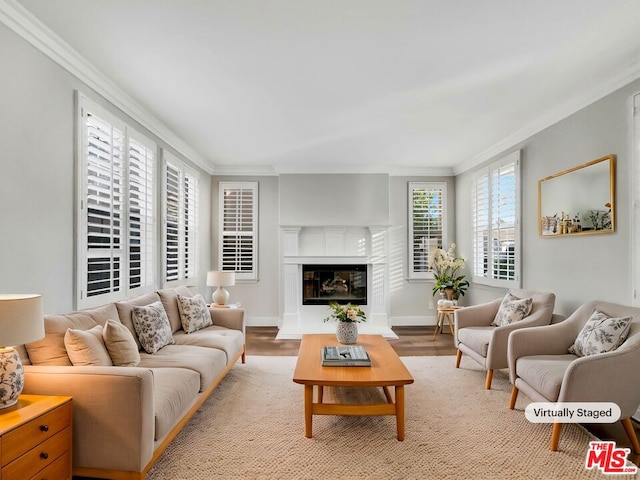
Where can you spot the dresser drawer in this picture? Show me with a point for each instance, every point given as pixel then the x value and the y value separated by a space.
pixel 39 457
pixel 60 469
pixel 27 436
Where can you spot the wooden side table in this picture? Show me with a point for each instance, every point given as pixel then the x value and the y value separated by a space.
pixel 36 438
pixel 444 313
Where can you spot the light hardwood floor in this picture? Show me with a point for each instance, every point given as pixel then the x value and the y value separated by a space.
pixel 416 341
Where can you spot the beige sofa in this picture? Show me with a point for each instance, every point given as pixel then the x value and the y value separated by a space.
pixel 125 416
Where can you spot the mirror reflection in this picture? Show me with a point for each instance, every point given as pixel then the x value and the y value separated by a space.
pixel 578 200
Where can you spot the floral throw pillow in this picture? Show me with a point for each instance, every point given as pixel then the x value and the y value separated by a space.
pixel 194 313
pixel 152 327
pixel 512 309
pixel 601 334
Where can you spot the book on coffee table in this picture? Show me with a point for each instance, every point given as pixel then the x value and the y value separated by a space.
pixel 352 356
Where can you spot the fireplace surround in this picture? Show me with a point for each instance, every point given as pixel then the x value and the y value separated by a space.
pixel 335 247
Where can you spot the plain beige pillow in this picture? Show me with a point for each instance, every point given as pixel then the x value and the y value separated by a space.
pixel 120 344
pixel 86 347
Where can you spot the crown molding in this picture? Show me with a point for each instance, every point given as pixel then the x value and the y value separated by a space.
pixel 563 111
pixel 17 18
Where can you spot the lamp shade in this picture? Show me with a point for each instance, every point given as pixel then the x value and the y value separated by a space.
pixel 221 279
pixel 21 319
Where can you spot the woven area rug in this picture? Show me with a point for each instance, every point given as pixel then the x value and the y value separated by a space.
pixel 252 427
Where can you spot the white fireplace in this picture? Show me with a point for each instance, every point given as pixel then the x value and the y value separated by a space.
pixel 333 245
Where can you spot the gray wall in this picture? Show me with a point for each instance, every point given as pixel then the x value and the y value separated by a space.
pixel 576 268
pixel 37 180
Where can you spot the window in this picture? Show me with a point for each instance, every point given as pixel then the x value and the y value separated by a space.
pixel 427 220
pixel 116 208
pixel 496 230
pixel 238 238
pixel 180 221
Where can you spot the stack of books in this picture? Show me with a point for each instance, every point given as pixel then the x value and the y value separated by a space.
pixel 355 356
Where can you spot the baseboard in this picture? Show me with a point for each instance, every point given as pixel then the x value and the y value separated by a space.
pixel 413 321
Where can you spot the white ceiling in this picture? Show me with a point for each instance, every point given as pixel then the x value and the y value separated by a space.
pixel 353 85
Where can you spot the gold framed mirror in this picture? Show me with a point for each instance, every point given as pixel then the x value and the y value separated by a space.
pixel 578 201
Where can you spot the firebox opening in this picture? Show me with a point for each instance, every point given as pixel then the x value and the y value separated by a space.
pixel 323 284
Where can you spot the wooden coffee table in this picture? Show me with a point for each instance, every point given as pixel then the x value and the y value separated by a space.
pixel 386 370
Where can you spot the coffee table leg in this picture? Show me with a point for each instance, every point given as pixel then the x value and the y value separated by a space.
pixel 399 411
pixel 308 409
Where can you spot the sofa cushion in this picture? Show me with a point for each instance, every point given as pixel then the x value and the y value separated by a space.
pixel 86 347
pixel 208 362
pixel 601 334
pixel 476 338
pixel 512 309
pixel 125 310
pixel 100 315
pixel 152 327
pixel 544 373
pixel 174 392
pixel 120 344
pixel 194 313
pixel 51 350
pixel 169 299
pixel 229 341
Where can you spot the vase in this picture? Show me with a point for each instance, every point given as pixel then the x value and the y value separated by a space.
pixel 449 292
pixel 347 332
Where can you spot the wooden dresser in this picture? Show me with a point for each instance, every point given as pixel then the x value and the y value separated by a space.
pixel 36 438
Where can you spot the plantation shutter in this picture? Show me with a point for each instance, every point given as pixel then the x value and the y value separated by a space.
pixel 181 215
pixel 426 225
pixel 481 230
pixel 238 228
pixel 496 237
pixel 104 209
pixel 142 155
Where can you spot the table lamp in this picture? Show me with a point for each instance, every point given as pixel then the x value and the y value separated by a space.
pixel 21 321
pixel 221 280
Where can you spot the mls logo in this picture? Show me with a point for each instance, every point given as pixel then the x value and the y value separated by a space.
pixel 608 458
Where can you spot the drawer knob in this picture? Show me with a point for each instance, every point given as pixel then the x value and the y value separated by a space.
pixel 44 455
pixel 44 428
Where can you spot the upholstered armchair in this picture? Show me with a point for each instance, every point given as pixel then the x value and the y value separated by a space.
pixel 476 337
pixel 541 365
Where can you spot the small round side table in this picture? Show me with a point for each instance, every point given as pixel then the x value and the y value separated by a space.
pixel 444 313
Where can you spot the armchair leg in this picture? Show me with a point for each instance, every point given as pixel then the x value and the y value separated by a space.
pixel 487 383
pixel 458 357
pixel 244 353
pixel 555 437
pixel 514 395
pixel 631 433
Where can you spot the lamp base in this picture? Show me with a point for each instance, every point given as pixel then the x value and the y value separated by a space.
pixel 220 296
pixel 11 377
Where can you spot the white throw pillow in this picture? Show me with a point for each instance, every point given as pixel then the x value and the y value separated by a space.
pixel 512 309
pixel 120 344
pixel 86 347
pixel 194 313
pixel 601 334
pixel 152 327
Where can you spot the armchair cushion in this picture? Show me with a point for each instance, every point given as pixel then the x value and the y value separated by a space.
pixel 601 334
pixel 544 373
pixel 476 338
pixel 512 309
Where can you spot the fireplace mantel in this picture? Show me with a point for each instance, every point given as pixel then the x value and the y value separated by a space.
pixel 333 244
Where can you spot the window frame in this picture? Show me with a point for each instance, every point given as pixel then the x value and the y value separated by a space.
pixel 413 273
pixel 187 233
pixel 241 276
pixel 83 251
pixel 513 159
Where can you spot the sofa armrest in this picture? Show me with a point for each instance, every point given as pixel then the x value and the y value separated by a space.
pixel 232 318
pixel 113 412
